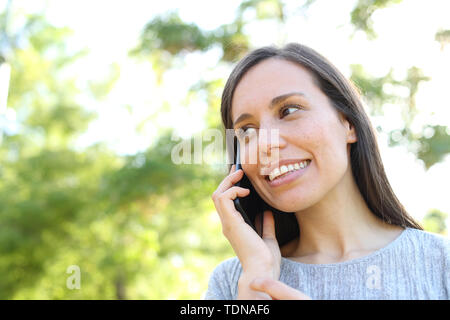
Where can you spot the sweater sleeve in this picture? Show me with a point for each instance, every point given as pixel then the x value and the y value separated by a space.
pixel 222 284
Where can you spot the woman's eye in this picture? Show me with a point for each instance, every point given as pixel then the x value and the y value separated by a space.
pixel 248 131
pixel 289 107
pixel 245 132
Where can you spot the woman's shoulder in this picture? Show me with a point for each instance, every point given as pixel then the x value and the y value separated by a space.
pixel 430 242
pixel 224 279
pixel 230 267
pixel 428 237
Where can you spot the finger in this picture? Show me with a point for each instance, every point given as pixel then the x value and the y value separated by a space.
pixel 277 289
pixel 231 219
pixel 230 181
pixel 234 192
pixel 227 207
pixel 268 225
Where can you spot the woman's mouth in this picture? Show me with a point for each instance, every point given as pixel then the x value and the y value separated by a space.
pixel 287 173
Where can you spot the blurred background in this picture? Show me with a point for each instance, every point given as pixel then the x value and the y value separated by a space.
pixel 94 95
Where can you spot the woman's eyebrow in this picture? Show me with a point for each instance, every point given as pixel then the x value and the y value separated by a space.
pixel 275 101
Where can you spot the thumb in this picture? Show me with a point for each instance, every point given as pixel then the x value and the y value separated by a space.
pixel 269 225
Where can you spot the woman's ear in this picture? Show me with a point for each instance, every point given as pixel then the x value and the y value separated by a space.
pixel 349 128
pixel 351 132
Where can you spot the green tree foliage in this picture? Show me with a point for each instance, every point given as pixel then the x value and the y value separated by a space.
pixel 434 221
pixel 361 15
pixel 45 184
pixel 432 143
pixel 117 218
pixel 166 37
pixel 443 37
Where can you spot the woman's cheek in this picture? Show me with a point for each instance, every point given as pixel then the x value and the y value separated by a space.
pixel 249 152
pixel 322 145
pixel 311 140
pixel 333 160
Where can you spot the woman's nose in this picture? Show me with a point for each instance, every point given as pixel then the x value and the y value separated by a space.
pixel 269 141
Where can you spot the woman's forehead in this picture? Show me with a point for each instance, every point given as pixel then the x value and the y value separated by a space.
pixel 267 80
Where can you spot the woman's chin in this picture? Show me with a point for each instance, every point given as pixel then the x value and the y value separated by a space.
pixel 288 205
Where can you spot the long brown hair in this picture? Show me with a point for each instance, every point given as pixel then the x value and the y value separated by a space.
pixel 367 167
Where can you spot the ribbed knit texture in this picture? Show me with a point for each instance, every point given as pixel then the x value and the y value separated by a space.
pixel 416 265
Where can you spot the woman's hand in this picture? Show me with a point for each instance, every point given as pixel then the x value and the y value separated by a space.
pixel 277 290
pixel 258 256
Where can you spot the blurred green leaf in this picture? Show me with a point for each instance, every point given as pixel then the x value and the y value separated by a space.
pixel 361 15
pixel 434 221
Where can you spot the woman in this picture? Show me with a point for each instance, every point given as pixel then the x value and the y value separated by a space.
pixel 355 240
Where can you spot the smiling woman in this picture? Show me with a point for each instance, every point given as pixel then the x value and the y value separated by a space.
pixel 350 236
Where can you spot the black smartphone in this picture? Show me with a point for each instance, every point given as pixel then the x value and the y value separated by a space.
pixel 286 225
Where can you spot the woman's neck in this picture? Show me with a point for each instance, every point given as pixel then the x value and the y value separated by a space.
pixel 340 227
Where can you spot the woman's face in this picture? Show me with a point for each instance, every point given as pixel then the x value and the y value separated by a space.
pixel 308 127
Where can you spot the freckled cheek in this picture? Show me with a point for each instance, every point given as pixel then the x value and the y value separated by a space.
pixel 250 158
pixel 318 142
pixel 331 154
pixel 308 138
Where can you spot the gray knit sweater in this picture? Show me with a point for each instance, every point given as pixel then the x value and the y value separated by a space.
pixel 416 265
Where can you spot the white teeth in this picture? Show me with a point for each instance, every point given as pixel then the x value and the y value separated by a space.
pixel 275 173
pixel 291 167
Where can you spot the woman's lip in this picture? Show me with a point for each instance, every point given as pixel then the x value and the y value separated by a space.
pixel 289 177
